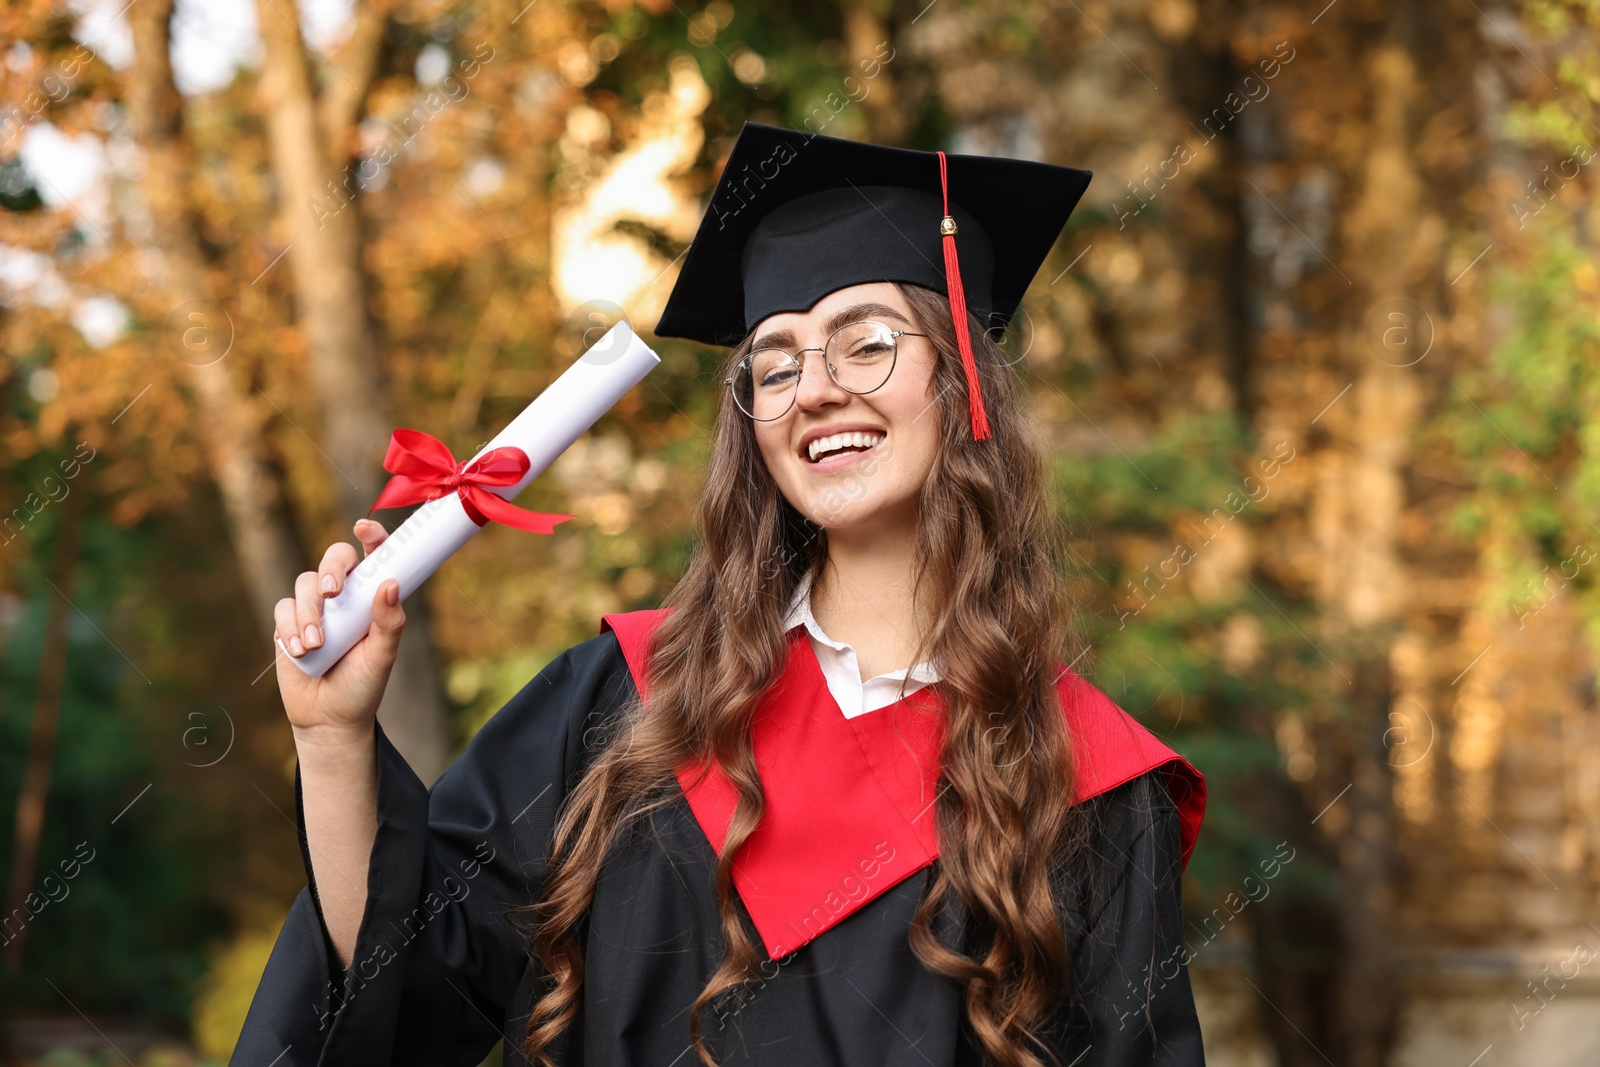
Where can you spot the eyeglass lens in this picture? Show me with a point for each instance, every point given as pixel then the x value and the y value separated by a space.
pixel 859 359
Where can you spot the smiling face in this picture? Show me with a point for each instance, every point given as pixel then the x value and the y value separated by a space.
pixel 853 460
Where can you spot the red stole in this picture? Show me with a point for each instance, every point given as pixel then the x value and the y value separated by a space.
pixel 850 802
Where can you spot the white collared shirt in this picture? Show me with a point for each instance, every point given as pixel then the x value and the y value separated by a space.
pixel 842 671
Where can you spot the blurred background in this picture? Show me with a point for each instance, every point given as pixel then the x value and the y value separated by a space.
pixel 1318 360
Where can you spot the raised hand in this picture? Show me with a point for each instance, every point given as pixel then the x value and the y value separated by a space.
pixel 343 703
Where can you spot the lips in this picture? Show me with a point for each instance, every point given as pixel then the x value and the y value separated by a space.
pixel 823 448
pixel 824 443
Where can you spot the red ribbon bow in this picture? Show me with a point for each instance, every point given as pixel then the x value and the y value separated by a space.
pixel 424 469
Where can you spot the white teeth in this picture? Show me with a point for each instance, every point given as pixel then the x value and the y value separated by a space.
pixel 842 440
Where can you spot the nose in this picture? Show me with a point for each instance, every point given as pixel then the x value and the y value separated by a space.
pixel 816 388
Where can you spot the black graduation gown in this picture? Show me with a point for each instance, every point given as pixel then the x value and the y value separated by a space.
pixel 439 975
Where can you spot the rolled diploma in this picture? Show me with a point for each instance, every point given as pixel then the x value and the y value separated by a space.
pixel 545 429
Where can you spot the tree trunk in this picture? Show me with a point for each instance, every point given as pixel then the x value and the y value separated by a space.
pixel 1294 933
pixel 1369 994
pixel 867 45
pixel 46 718
pixel 317 197
pixel 1364 579
pixel 311 155
pixel 263 539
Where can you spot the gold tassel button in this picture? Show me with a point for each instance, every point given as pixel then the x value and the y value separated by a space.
pixel 947 225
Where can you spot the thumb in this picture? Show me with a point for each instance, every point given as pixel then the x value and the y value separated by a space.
pixel 388 619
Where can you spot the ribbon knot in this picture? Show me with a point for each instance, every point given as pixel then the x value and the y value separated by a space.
pixel 424 469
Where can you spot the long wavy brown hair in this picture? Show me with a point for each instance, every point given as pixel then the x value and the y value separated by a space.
pixel 987 553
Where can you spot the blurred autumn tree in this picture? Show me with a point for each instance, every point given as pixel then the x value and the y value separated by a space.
pixel 1287 404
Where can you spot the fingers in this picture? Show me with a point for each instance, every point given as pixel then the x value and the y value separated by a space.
pixel 308 612
pixel 371 534
pixel 298 621
pixel 336 563
pixel 388 619
pixel 286 626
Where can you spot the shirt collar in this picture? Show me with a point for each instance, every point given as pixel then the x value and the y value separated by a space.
pixel 799 614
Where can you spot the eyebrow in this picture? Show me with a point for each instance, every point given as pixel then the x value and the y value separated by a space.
pixel 854 313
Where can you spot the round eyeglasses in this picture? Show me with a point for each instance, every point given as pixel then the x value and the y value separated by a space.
pixel 859 356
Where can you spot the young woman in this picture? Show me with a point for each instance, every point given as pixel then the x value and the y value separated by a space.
pixel 840 801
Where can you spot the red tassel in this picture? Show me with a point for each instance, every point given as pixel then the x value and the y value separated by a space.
pixel 958 311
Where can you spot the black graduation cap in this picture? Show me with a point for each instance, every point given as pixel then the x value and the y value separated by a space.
pixel 797 215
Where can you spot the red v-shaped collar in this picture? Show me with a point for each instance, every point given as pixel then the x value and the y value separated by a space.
pixel 849 809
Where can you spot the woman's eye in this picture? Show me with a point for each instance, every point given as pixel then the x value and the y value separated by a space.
pixel 869 350
pixel 777 378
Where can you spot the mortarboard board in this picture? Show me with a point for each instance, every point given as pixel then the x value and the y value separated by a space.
pixel 796 216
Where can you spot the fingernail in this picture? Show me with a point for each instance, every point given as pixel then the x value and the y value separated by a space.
pixel 295 647
pixel 392 594
pixel 327 583
pixel 313 636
